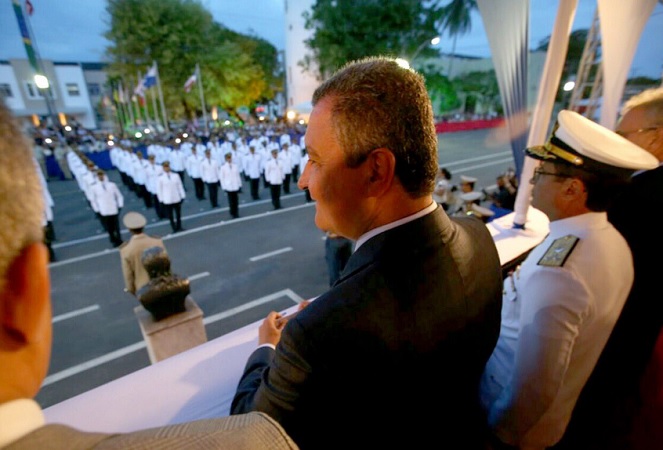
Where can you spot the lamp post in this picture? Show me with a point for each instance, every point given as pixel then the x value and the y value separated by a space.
pixel 44 86
pixel 434 41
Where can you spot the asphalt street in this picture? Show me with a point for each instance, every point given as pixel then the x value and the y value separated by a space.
pixel 239 269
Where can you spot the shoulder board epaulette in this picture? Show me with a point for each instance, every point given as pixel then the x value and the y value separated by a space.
pixel 559 251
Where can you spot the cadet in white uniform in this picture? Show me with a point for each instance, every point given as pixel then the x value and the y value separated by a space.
pixel 171 195
pixel 231 182
pixel 253 168
pixel 209 172
pixel 274 175
pixel 107 201
pixel 561 304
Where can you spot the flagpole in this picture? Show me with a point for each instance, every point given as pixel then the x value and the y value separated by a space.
pixel 130 105
pixel 202 98
pixel 154 106
pixel 37 64
pixel 145 112
pixel 163 105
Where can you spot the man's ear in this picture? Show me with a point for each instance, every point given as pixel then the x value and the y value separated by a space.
pixel 25 306
pixel 382 166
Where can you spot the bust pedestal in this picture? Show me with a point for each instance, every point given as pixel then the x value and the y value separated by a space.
pixel 174 334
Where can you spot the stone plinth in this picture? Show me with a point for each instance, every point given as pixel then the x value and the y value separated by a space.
pixel 174 334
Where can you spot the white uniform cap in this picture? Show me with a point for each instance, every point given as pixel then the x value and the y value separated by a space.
pixel 482 210
pixel 470 196
pixel 582 143
pixel 466 179
pixel 133 220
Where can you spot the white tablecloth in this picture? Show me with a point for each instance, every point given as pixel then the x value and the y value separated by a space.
pixel 200 383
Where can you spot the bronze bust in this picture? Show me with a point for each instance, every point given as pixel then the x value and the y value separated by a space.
pixel 165 293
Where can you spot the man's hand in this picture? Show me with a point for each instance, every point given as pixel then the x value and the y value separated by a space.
pixel 271 328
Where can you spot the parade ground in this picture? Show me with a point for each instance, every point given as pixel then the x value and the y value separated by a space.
pixel 239 269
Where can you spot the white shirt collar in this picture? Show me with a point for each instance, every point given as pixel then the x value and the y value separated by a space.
pixel 381 229
pixel 19 418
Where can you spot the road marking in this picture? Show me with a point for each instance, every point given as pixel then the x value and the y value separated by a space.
pixel 75 313
pixel 478 158
pixel 108 357
pixel 267 255
pixel 198 276
pixel 70 372
pixel 478 166
pixel 266 299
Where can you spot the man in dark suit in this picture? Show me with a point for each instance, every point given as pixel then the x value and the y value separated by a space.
pixel 391 355
pixel 25 334
pixel 604 413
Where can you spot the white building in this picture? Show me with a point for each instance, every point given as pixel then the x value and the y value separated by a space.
pixel 299 83
pixel 76 91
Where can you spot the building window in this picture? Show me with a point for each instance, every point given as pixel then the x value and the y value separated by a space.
pixel 93 89
pixel 34 93
pixel 5 90
pixel 72 90
pixel 32 90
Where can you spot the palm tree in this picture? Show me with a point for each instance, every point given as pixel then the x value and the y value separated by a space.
pixel 455 17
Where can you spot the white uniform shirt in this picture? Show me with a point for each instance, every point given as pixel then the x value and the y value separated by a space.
pixel 287 158
pixel 193 165
pixel 274 173
pixel 177 160
pixel 170 189
pixel 209 170
pixel 230 178
pixel 253 165
pixel 138 171
pixel 555 323
pixel 106 198
pixel 152 172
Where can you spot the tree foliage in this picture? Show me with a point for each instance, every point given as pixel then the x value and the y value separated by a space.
pixel 345 30
pixel 577 41
pixel 178 34
pixel 482 86
pixel 442 91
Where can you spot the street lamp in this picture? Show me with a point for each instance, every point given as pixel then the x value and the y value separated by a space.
pixel 42 83
pixel 434 41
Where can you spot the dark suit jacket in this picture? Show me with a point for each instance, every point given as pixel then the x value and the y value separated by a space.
pixel 609 400
pixel 246 432
pixel 393 352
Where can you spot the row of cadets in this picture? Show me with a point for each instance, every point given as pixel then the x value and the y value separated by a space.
pixel 139 176
pixel 152 173
pixel 159 151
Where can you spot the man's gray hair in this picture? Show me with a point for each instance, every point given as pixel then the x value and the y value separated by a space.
pixel 21 200
pixel 651 100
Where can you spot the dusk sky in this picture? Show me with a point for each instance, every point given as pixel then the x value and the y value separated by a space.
pixel 71 30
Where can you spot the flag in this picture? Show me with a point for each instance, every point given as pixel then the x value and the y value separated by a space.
pixel 140 89
pixel 28 7
pixel 150 77
pixel 190 82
